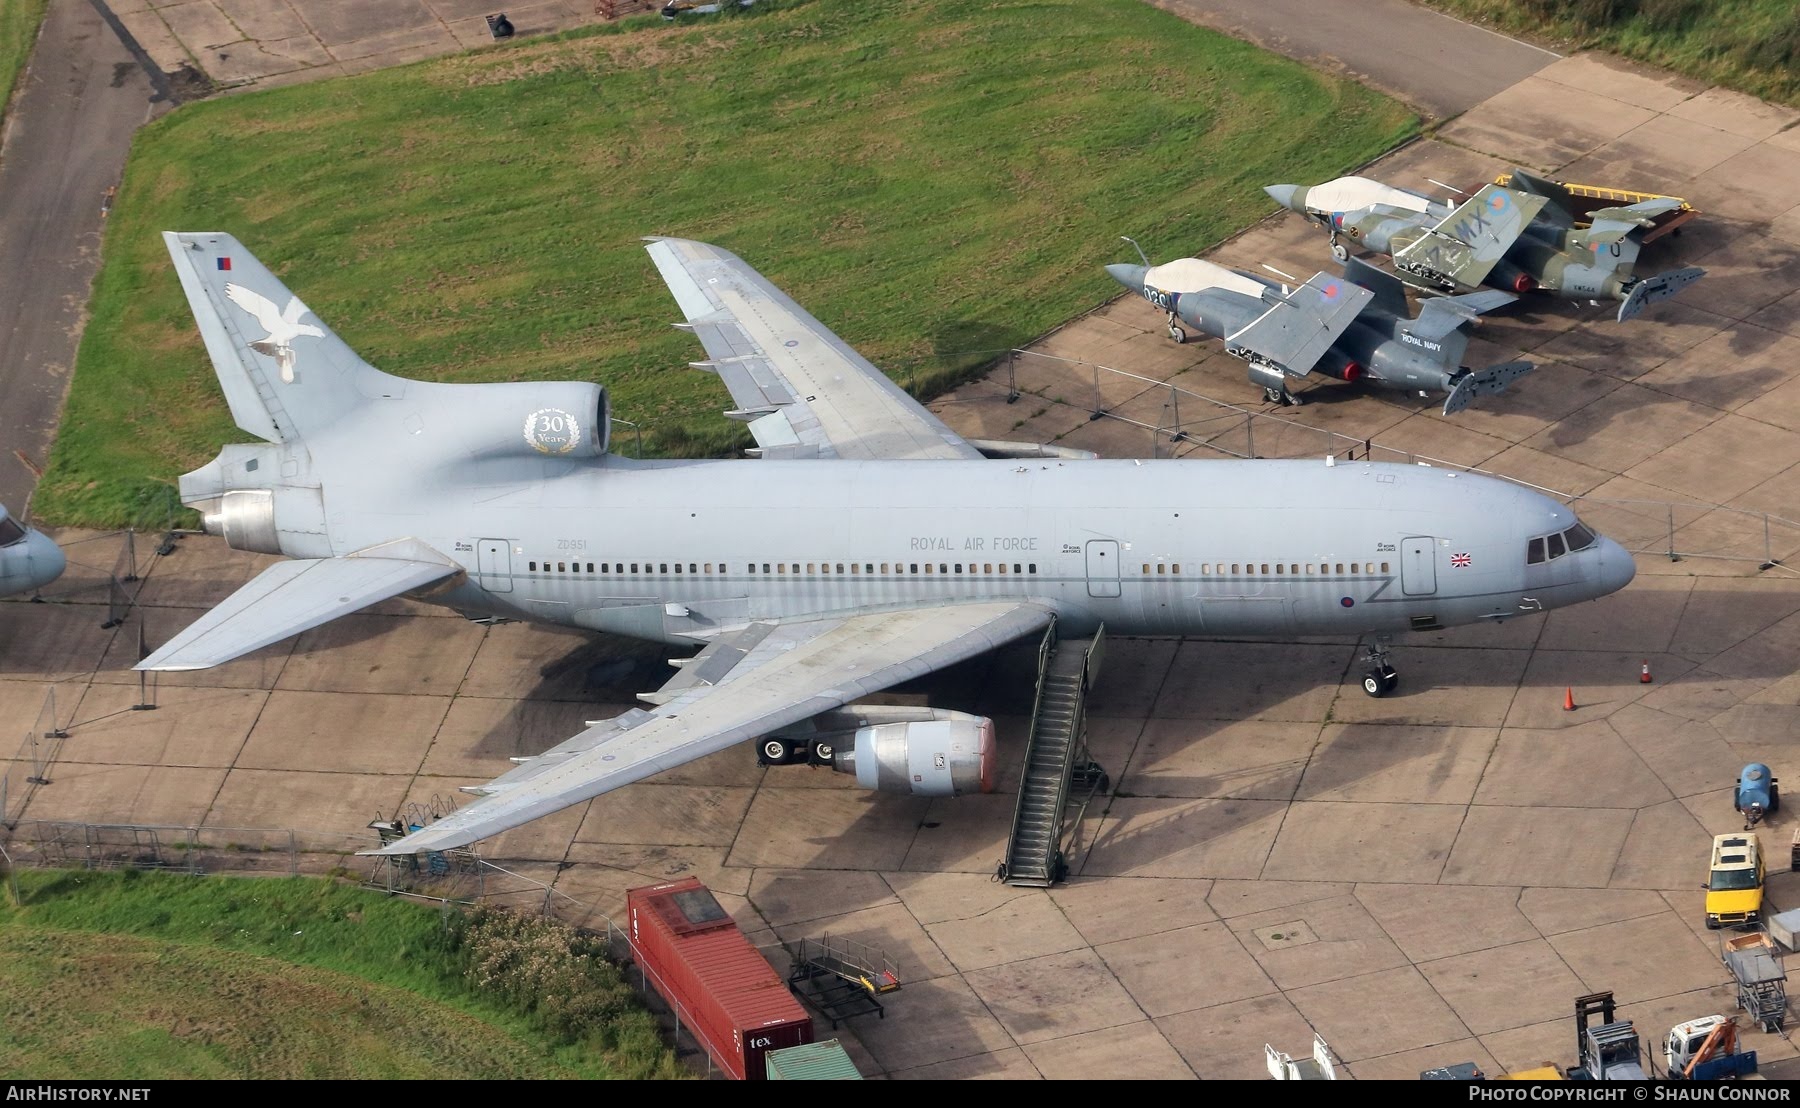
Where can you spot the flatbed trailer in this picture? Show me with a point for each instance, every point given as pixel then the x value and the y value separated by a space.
pixel 1591 198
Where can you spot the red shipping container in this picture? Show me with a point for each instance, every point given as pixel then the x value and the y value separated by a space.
pixel 695 956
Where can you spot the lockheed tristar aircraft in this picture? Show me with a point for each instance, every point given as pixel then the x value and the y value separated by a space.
pixel 863 545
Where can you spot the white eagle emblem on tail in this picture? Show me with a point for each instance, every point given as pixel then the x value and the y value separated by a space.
pixel 283 327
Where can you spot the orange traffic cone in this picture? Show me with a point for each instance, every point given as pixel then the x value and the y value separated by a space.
pixel 1568 700
pixel 1644 677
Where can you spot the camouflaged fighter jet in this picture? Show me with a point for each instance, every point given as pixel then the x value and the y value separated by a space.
pixel 1518 239
pixel 1352 328
pixel 865 544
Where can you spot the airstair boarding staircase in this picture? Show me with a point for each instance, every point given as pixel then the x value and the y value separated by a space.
pixel 1317 1068
pixel 1059 779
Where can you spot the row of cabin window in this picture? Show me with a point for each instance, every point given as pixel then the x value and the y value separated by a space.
pixel 782 568
pixel 1292 568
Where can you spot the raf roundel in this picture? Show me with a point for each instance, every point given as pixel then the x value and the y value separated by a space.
pixel 552 431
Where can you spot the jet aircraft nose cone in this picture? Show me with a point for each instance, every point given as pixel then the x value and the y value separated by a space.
pixel 47 559
pixel 1131 276
pixel 1617 567
pixel 1291 197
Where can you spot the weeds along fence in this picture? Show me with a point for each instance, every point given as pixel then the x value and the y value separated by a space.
pixel 1178 422
pixel 451 878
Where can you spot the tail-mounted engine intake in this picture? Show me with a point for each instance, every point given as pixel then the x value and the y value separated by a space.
pixel 564 419
pixel 895 749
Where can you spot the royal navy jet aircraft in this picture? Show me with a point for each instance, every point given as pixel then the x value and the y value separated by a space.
pixel 1517 239
pixel 1356 327
pixel 864 545
pixel 29 559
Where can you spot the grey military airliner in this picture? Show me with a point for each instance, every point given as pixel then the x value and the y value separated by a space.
pixel 29 559
pixel 864 543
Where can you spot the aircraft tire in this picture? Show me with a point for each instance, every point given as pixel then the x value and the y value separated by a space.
pixel 1340 251
pixel 822 753
pixel 1274 396
pixel 776 752
pixel 1373 684
pixel 1177 334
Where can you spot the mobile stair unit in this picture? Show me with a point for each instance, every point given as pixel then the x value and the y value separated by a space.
pixel 1059 779
pixel 841 978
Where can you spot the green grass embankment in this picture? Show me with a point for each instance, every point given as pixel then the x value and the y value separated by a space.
pixel 936 181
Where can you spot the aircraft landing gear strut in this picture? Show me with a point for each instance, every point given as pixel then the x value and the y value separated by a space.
pixel 1381 677
pixel 1175 331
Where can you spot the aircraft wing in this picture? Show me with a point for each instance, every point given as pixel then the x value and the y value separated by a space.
pixel 802 390
pixel 294 596
pixel 744 685
pixel 1471 240
pixel 1297 330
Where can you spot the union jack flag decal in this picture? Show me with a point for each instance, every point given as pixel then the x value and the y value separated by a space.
pixel 1460 561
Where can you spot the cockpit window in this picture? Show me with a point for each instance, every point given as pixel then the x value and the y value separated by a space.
pixel 1550 547
pixel 10 531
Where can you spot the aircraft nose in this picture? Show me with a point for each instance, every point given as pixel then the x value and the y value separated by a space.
pixel 47 559
pixel 1131 276
pixel 1617 567
pixel 1292 197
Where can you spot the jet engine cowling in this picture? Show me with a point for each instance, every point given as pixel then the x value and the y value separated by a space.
pixel 554 419
pixel 940 757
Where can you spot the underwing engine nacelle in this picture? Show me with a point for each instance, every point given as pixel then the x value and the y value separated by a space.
pixel 896 749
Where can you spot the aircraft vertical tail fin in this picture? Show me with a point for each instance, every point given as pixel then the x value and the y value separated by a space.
pixel 282 370
pixel 1561 202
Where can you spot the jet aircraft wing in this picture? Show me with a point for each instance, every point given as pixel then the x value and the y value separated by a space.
pixel 294 596
pixel 744 685
pixel 1297 329
pixel 802 390
pixel 1471 240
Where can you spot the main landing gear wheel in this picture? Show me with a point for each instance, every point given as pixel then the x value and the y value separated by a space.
pixel 776 752
pixel 1275 396
pixel 1380 681
pixel 1340 251
pixel 1176 333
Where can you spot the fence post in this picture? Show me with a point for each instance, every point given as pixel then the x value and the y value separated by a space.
pixel 1012 379
pixel 1098 410
pixel 1175 402
pixel 1672 557
pixel 1769 559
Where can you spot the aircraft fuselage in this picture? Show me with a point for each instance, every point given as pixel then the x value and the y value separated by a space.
pixel 673 550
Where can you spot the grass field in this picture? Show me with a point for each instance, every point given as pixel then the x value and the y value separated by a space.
pixel 937 181
pixel 1752 46
pixel 19 21
pixel 144 975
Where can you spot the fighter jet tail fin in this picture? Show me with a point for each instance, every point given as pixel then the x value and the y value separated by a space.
pixel 1389 291
pixel 282 370
pixel 1660 287
pixel 1561 202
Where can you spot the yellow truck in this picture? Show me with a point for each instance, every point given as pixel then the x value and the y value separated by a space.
pixel 1734 886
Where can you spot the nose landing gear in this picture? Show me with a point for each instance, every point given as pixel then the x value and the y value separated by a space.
pixel 1381 677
